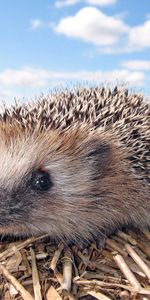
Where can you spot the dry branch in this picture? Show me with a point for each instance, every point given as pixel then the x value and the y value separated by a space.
pixel 35 276
pixel 18 286
pixel 127 272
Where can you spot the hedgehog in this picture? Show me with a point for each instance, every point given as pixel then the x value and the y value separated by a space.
pixel 75 164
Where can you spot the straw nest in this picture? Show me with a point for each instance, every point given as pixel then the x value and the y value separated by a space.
pixel 38 269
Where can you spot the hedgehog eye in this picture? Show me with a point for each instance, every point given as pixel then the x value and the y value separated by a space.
pixel 41 181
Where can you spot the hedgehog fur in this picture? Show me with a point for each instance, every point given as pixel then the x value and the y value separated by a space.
pixel 92 145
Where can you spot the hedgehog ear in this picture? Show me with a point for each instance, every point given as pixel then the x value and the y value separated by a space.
pixel 97 149
pixel 98 155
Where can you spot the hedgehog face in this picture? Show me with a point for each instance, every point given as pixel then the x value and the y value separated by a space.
pixel 65 184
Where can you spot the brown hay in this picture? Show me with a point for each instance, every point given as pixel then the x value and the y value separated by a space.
pixel 38 269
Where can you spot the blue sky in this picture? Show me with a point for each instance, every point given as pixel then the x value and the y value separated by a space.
pixel 46 43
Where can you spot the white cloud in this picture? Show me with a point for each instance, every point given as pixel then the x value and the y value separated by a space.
pixel 111 33
pixel 136 64
pixel 140 35
pixel 101 2
pixel 31 82
pixel 101 76
pixel 24 77
pixel 40 78
pixel 62 3
pixel 91 25
pixel 36 24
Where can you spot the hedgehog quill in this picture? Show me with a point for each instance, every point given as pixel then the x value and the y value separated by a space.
pixel 75 164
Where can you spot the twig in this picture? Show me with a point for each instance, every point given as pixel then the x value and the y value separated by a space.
pixel 25 263
pixel 58 276
pixel 39 256
pixel 110 285
pixel 52 294
pixel 18 286
pixel 67 271
pixel 35 276
pixel 115 246
pixel 127 272
pixel 138 260
pixel 124 295
pixel 126 237
pixel 56 257
pixel 84 258
pixel 22 245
